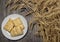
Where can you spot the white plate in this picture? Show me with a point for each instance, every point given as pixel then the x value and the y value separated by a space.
pixel 7 34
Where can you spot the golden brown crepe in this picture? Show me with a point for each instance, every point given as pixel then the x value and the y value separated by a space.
pixel 17 21
pixel 13 32
pixel 16 31
pixel 19 31
pixel 9 25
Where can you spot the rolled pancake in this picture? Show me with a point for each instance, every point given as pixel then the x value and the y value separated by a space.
pixel 9 25
pixel 13 32
pixel 17 21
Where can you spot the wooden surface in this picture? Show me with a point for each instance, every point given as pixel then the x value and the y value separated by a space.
pixel 29 37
